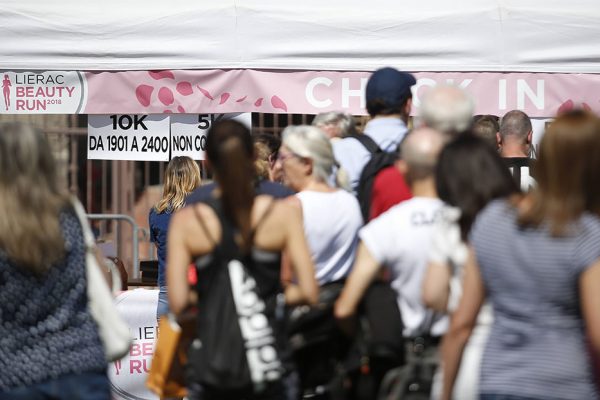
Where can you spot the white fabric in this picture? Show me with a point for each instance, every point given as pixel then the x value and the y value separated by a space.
pixel 448 248
pixel 434 35
pixel 400 239
pixel 331 224
pixel 112 329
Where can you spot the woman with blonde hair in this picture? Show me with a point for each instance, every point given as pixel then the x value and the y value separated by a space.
pixel 181 178
pixel 536 258
pixel 49 342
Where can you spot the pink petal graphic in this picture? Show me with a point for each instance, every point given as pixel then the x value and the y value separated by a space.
pixel 224 98
pixel 205 92
pixel 143 94
pixel 566 106
pixel 586 106
pixel 165 95
pixel 241 99
pixel 276 102
pixel 167 112
pixel 184 88
pixel 181 109
pixel 258 102
pixel 157 75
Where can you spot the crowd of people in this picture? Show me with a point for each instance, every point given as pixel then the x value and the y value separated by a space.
pixel 491 258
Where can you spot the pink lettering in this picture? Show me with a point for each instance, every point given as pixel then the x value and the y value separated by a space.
pixel 20 91
pixel 135 350
pixel 147 349
pixel 31 105
pixel 135 365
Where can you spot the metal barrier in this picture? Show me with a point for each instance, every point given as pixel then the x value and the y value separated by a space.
pixel 135 229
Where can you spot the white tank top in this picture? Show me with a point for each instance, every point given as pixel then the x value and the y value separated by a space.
pixel 331 224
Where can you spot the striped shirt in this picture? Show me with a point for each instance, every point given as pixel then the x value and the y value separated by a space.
pixel 537 346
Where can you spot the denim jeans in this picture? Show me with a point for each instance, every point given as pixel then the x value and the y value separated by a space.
pixel 163 303
pixel 83 386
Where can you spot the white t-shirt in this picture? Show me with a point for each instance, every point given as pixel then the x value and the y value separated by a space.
pixel 331 224
pixel 400 239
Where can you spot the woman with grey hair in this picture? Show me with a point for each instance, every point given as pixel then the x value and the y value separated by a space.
pixel 335 124
pixel 331 214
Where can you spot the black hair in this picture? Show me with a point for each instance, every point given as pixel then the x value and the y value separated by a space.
pixel 272 141
pixel 470 174
pixel 378 106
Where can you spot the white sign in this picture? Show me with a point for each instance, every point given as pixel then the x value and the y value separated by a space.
pixel 188 132
pixel 42 92
pixel 128 375
pixel 128 137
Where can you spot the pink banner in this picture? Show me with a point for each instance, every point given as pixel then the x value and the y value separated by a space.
pixel 274 91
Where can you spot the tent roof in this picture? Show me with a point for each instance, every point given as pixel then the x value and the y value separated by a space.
pixel 431 35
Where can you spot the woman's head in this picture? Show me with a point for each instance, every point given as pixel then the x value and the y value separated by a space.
pixel 567 171
pixel 273 143
pixel 230 152
pixel 31 198
pixel 181 178
pixel 306 154
pixel 469 174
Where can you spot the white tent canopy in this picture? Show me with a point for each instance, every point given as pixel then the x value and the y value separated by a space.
pixel 431 35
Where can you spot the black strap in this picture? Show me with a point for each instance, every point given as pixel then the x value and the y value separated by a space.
pixel 203 225
pixel 367 141
pixel 262 218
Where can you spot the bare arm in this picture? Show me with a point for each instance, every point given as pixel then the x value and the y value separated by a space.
pixel 462 323
pixel 589 284
pixel 363 273
pixel 436 286
pixel 178 259
pixel 307 289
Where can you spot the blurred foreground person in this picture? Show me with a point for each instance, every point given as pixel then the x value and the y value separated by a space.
pixel 181 178
pixel 49 343
pixel 536 258
pixel 398 240
pixel 469 175
pixel 236 239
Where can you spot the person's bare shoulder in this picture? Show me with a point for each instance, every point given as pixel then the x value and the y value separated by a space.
pixel 188 223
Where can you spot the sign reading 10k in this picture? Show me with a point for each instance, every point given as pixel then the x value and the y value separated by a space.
pixel 152 137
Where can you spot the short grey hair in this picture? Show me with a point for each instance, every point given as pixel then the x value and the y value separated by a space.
pixel 311 142
pixel 344 123
pixel 447 108
pixel 515 123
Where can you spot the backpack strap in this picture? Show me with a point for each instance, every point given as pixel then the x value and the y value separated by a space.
pixel 367 141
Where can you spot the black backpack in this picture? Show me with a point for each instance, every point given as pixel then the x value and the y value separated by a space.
pixel 379 160
pixel 238 342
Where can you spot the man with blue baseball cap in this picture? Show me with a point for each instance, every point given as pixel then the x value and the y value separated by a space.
pixel 389 101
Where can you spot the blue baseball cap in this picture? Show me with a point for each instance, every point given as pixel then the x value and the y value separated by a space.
pixel 390 86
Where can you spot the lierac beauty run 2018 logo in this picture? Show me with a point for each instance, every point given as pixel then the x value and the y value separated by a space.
pixel 47 92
